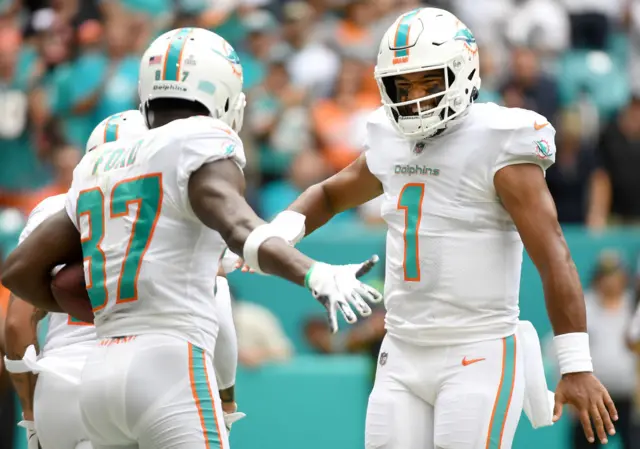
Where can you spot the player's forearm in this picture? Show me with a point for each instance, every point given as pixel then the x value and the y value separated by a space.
pixel 25 386
pixel 275 255
pixel 35 291
pixel 29 281
pixel 27 270
pixel 21 327
pixel 316 206
pixel 278 258
pixel 20 333
pixel 563 294
pixel 215 194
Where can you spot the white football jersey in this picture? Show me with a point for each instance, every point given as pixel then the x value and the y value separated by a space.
pixel 63 329
pixel 453 252
pixel 150 264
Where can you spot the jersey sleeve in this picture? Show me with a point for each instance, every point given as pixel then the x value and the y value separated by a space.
pixel 40 213
pixel 375 144
pixel 533 142
pixel 70 204
pixel 71 199
pixel 212 142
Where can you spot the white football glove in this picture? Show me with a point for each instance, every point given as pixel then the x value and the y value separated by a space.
pixel 32 437
pixel 337 287
pixel 230 418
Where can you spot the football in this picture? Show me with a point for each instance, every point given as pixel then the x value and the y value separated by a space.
pixel 70 292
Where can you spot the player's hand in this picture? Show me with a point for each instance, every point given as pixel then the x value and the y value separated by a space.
pixel 245 268
pixel 337 287
pixel 229 261
pixel 32 437
pixel 231 414
pixel 230 418
pixel 592 403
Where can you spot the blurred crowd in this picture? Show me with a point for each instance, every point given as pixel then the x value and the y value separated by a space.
pixel 67 64
pixel 308 75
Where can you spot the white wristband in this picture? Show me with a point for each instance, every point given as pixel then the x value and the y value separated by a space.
pixel 253 242
pixel 16 366
pixel 290 226
pixel 573 352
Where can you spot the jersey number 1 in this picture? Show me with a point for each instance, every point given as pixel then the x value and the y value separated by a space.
pixel 410 201
pixel 146 192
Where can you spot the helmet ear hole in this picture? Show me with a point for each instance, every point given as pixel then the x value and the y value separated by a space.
pixel 146 114
pixel 474 94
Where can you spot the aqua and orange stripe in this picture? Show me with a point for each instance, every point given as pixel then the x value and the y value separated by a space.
pixel 111 129
pixel 401 41
pixel 174 53
pixel 203 396
pixel 502 403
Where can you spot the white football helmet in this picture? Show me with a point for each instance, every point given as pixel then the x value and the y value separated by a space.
pixel 117 126
pixel 428 39
pixel 197 65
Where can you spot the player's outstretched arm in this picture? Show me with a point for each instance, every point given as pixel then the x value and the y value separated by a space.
pixel 215 193
pixel 20 333
pixel 349 188
pixel 27 270
pixel 524 194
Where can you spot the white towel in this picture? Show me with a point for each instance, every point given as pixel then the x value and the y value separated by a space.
pixel 538 400
pixel 67 368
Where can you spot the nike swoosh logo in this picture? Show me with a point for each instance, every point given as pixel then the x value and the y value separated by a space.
pixel 467 362
pixel 539 127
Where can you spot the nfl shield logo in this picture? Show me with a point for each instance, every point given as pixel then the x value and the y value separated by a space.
pixel 383 358
pixel 417 149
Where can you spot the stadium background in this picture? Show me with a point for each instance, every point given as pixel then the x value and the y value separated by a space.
pixel 67 64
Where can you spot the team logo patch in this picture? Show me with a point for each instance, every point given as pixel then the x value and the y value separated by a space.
pixel 467 37
pixel 419 147
pixel 543 150
pixel 383 358
pixel 229 147
pixel 232 57
pixel 229 54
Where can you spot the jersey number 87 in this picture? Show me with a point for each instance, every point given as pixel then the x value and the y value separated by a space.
pixel 146 192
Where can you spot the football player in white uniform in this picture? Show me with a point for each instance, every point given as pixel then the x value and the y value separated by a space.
pixel 123 125
pixel 463 188
pixel 51 413
pixel 150 217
